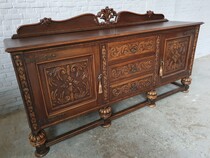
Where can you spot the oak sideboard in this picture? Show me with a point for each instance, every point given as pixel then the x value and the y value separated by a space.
pixel 69 68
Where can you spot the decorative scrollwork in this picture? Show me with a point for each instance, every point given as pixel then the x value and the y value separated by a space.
pixel 175 55
pixel 132 47
pixel 25 90
pixel 68 83
pixel 131 87
pixel 107 14
pixel 140 66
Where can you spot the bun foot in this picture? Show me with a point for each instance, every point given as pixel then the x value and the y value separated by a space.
pixel 187 91
pixel 106 124
pixel 152 105
pixel 42 153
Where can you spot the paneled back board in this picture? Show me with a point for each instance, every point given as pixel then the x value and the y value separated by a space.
pixel 72 67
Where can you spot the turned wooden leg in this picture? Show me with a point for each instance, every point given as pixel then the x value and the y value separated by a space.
pixel 151 96
pixel 39 141
pixel 186 82
pixel 105 114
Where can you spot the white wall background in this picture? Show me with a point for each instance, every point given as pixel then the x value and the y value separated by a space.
pixel 14 13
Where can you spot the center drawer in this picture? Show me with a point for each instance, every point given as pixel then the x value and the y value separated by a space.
pixel 131 48
pixel 129 69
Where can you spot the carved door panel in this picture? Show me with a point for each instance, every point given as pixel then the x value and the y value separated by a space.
pixel 66 83
pixel 175 55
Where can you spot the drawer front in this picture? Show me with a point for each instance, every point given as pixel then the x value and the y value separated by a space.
pixel 131 68
pixel 129 48
pixel 131 87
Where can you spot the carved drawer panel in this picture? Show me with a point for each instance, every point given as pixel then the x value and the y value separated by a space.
pixel 132 87
pixel 128 69
pixel 123 49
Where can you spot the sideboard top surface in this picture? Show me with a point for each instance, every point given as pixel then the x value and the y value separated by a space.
pixel 48 33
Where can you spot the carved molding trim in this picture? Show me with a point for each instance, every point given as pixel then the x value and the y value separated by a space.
pixel 104 72
pixel 21 74
pixel 194 47
pixel 107 15
pixel 156 59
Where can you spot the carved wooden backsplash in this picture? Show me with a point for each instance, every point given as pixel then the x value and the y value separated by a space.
pixel 107 17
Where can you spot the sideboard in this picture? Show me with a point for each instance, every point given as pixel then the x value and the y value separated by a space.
pixel 69 68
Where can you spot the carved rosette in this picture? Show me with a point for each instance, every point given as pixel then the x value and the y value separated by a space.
pixel 107 15
pixel 186 81
pixel 152 95
pixel 105 112
pixel 21 74
pixel 194 47
pixel 104 71
pixel 38 140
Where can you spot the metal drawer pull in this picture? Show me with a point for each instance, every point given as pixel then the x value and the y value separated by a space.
pixel 161 68
pixel 100 91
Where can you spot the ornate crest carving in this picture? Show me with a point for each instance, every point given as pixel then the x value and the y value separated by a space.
pixel 107 15
pixel 150 13
pixel 45 21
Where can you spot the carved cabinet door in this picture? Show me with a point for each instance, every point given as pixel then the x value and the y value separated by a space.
pixel 176 52
pixel 64 82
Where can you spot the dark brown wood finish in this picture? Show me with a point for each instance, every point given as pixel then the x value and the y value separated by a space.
pixel 69 68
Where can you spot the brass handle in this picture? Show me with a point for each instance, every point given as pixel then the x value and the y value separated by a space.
pixel 100 91
pixel 161 68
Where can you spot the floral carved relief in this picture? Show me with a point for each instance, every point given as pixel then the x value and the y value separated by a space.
pixel 68 83
pixel 175 54
pixel 118 72
pixel 135 47
pixel 131 87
